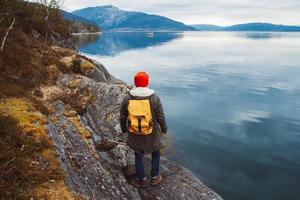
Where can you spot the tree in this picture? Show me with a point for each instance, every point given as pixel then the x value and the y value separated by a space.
pixel 56 4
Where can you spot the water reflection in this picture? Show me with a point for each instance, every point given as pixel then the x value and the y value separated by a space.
pixel 85 39
pixel 255 165
pixel 265 35
pixel 113 43
pixel 259 36
pixel 232 106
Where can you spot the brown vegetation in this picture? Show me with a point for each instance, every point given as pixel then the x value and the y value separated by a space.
pixel 28 62
pixel 26 51
pixel 28 164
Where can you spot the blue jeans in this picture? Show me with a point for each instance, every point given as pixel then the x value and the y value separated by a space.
pixel 139 164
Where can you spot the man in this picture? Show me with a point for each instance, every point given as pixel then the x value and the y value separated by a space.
pixel 142 117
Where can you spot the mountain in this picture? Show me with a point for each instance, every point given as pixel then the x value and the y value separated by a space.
pixel 248 27
pixel 79 24
pixel 261 27
pixel 71 17
pixel 112 18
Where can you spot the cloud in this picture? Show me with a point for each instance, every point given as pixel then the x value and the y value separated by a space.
pixel 207 11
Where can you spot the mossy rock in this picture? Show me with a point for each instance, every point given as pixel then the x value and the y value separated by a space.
pixel 83 131
pixel 86 66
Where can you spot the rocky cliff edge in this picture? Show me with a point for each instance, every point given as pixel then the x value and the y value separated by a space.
pixel 85 130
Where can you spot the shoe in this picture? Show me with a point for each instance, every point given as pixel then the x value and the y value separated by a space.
pixel 143 183
pixel 156 180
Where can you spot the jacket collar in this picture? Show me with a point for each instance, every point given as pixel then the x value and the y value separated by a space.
pixel 141 92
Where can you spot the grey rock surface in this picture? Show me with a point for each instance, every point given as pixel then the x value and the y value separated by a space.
pixel 178 183
pixel 103 167
pixel 86 173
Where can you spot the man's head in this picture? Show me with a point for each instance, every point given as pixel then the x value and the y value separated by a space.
pixel 141 79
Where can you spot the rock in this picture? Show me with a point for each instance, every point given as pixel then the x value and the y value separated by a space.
pixel 122 155
pixel 85 174
pixel 101 74
pixel 178 183
pixel 106 145
pixel 97 75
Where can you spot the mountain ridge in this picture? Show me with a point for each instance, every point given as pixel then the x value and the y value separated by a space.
pixel 112 18
pixel 79 24
pixel 251 26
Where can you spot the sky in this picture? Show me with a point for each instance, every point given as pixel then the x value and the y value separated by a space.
pixel 225 12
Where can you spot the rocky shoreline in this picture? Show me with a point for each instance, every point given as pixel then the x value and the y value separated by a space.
pixel 86 134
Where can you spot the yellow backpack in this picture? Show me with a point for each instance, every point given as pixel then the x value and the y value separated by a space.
pixel 140 117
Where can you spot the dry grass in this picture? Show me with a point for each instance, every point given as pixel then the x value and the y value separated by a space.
pixel 12 89
pixel 25 61
pixel 55 190
pixel 85 133
pixel 72 116
pixel 29 120
pixel 51 92
pixel 28 162
pixel 78 100
pixel 26 55
pixel 47 23
pixel 29 67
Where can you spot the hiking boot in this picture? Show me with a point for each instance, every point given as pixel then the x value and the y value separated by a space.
pixel 156 180
pixel 143 183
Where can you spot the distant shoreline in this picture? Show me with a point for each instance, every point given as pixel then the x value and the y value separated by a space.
pixel 253 26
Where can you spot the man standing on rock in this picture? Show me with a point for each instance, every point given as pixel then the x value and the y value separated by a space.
pixel 142 117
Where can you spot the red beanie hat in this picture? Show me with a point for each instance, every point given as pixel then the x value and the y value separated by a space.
pixel 141 79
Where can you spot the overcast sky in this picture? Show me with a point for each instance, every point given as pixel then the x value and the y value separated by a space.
pixel 220 12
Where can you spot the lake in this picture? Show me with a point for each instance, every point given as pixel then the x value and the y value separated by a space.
pixel 232 101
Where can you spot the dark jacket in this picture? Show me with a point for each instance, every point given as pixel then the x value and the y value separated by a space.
pixel 144 143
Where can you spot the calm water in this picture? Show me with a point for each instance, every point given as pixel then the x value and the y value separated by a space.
pixel 232 102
